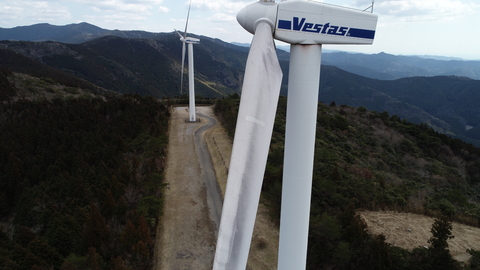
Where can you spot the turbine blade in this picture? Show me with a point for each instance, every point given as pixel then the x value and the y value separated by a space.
pixel 188 15
pixel 178 33
pixel 256 116
pixel 183 65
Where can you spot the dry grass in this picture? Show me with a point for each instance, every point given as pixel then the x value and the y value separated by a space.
pixel 33 88
pixel 220 148
pixel 264 247
pixel 409 231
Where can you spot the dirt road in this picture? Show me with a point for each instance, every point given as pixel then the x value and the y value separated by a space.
pixel 187 236
pixel 214 197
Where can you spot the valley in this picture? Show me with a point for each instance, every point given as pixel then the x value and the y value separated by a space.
pixel 149 64
pixel 94 144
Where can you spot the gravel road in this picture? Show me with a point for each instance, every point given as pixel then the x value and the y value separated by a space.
pixel 186 237
pixel 214 198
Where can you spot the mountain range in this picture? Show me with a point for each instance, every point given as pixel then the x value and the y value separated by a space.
pixel 381 66
pixel 443 94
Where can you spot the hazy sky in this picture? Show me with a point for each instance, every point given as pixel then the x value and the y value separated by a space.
pixel 434 27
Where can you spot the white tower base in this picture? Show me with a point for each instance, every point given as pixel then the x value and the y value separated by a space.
pixel 302 104
pixel 191 86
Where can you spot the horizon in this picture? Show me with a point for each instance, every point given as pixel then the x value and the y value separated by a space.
pixel 280 45
pixel 405 27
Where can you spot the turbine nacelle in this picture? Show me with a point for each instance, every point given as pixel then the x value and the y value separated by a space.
pixel 309 22
pixel 190 40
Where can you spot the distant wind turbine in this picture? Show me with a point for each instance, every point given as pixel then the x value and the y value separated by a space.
pixel 306 25
pixel 191 80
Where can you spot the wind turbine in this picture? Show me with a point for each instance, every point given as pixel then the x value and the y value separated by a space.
pixel 191 81
pixel 306 25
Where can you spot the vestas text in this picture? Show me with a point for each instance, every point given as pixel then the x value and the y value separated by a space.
pixel 301 24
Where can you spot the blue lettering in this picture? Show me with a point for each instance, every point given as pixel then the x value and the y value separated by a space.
pixel 343 31
pixel 325 28
pixel 332 30
pixel 282 24
pixel 298 25
pixel 301 25
pixel 308 28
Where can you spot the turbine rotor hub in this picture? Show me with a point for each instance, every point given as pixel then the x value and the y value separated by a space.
pixel 250 16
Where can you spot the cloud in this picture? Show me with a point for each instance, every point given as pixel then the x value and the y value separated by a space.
pixel 118 20
pixel 115 5
pixel 224 6
pixel 222 17
pixel 424 10
pixel 126 6
pixel 34 11
pixel 163 9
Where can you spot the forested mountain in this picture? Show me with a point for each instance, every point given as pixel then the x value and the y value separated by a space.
pixel 376 161
pixel 151 65
pixel 72 33
pixel 382 66
pixel 16 62
pixel 385 66
pixel 81 167
pixel 80 176
pixel 143 66
pixel 448 104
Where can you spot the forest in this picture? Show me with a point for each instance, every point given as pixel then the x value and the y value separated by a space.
pixel 81 178
pixel 81 181
pixel 374 161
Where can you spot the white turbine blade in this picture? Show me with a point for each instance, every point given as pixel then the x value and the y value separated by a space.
pixel 183 48
pixel 178 33
pixel 256 116
pixel 188 15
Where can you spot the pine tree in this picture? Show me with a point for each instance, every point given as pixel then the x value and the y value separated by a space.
pixel 129 236
pixel 118 264
pixel 97 233
pixel 108 205
pixel 439 252
pixel 94 260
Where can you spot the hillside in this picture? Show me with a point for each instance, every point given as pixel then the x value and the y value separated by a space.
pixel 448 104
pixel 386 66
pixel 16 62
pixel 377 66
pixel 80 176
pixel 373 161
pixel 134 65
pixel 364 160
pixel 152 67
pixel 149 64
pixel 72 33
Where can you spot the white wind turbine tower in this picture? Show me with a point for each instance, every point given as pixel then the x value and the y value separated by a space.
pixel 306 25
pixel 191 81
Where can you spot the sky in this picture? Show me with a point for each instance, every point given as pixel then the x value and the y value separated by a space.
pixel 405 27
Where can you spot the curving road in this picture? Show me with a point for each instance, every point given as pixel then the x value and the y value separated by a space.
pixel 186 237
pixel 214 198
